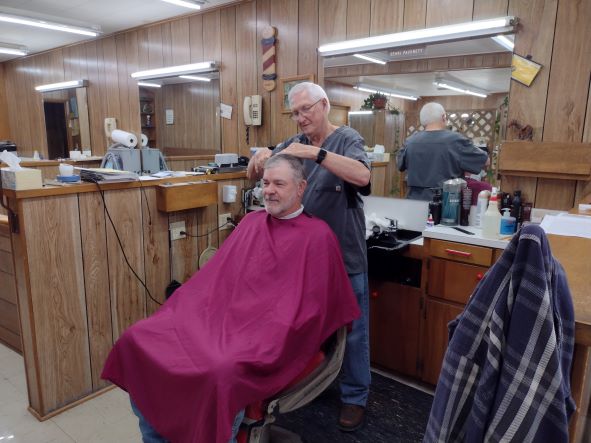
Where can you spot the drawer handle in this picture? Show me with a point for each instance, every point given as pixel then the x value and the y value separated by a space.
pixel 374 294
pixel 460 253
pixel 479 276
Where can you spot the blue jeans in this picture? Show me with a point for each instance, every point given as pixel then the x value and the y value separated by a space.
pixel 356 374
pixel 149 434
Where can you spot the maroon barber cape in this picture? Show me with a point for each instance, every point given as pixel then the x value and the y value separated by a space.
pixel 238 331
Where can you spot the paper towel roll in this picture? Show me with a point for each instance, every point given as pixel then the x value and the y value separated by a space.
pixel 125 138
pixel 144 140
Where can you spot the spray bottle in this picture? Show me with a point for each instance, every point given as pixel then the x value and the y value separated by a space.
pixel 491 221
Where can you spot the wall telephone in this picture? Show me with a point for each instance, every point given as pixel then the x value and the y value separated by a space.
pixel 253 107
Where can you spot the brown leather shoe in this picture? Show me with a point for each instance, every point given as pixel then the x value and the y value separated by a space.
pixel 351 418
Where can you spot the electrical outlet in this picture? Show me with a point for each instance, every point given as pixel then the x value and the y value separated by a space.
pixel 175 230
pixel 223 219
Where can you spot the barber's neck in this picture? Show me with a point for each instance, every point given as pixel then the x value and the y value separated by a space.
pixel 435 126
pixel 317 139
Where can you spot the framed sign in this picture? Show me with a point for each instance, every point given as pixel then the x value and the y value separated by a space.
pixel 285 85
pixel 524 70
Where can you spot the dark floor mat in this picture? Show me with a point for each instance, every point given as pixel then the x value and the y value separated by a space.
pixel 395 413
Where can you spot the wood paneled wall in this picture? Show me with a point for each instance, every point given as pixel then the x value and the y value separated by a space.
pixel 4 127
pixel 553 32
pixel 196 127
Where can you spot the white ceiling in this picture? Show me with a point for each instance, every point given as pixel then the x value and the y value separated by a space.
pixel 111 15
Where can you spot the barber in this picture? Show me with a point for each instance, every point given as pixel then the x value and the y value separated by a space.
pixel 436 154
pixel 338 172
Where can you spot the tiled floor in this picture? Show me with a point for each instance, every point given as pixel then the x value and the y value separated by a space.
pixel 106 418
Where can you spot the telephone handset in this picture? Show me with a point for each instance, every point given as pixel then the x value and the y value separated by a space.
pixel 252 110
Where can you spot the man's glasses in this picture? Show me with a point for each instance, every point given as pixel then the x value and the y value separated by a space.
pixel 305 111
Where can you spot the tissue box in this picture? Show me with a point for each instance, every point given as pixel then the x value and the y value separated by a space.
pixel 26 178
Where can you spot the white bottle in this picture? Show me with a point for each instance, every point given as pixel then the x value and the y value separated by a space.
pixel 491 221
pixel 481 205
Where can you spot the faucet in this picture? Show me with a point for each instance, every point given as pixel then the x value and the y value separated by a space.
pixel 393 225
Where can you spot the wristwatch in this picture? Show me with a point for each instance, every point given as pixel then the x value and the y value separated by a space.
pixel 321 156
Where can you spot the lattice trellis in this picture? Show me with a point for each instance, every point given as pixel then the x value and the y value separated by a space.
pixel 473 123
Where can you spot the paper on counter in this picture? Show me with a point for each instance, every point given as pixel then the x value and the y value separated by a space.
pixel 567 224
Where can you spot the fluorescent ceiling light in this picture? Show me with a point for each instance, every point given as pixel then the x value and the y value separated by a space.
pixel 360 112
pixel 420 36
pixel 370 59
pixel 395 94
pixel 48 25
pixel 195 77
pixel 6 48
pixel 185 3
pixel 61 85
pixel 149 85
pixel 504 41
pixel 446 84
pixel 175 70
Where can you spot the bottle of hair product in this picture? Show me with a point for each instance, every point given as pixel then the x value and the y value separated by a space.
pixel 491 221
pixel 481 205
pixel 507 223
pixel 435 206
pixel 516 208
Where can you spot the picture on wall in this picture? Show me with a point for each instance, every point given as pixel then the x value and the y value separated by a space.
pixel 524 70
pixel 285 85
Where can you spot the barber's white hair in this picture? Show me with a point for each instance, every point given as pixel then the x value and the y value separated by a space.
pixel 315 92
pixel 431 113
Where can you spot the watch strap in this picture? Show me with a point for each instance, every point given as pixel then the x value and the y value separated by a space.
pixel 321 156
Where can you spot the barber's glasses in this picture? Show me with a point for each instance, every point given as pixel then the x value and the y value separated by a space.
pixel 305 111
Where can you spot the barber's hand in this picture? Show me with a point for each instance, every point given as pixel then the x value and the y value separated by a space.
pixel 256 166
pixel 301 151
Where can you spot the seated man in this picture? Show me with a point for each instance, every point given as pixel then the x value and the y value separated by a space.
pixel 244 326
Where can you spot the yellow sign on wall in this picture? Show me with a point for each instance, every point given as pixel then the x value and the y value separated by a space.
pixel 524 70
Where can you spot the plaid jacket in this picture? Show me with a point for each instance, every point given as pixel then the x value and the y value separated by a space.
pixel 505 377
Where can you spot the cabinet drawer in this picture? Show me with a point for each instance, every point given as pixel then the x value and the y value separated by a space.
pixel 476 255
pixel 453 281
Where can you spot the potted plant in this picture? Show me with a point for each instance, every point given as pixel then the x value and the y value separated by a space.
pixel 376 100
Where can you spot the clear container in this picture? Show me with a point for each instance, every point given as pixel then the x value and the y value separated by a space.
pixel 452 196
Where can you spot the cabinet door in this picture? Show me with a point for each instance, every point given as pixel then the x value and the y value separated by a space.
pixel 394 326
pixel 435 337
pixel 453 281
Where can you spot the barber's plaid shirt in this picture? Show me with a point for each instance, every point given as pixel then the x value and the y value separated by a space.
pixel 505 377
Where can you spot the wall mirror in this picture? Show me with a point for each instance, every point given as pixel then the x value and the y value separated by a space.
pixel 180 114
pixel 480 65
pixel 66 122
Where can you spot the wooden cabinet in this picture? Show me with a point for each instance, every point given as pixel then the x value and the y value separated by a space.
pixel 436 316
pixel 9 324
pixel 453 281
pixel 394 326
pixel 452 271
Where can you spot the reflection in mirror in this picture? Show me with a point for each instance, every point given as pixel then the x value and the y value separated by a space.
pixel 180 115
pixel 481 65
pixel 66 122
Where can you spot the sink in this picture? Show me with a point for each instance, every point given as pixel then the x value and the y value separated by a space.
pixel 392 241
pixel 386 261
pixel 407 235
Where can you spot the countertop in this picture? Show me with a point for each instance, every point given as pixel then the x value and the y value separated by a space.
pixel 441 232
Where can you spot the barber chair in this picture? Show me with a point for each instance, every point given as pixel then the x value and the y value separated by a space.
pixel 320 372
